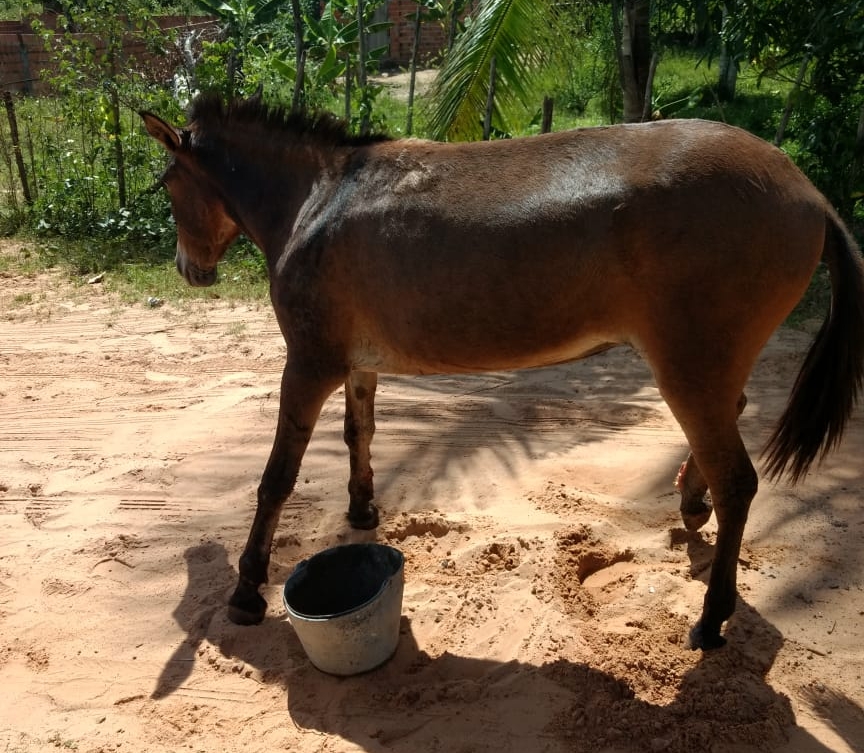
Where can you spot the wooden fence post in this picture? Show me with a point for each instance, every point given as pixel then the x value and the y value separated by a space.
pixel 548 107
pixel 16 146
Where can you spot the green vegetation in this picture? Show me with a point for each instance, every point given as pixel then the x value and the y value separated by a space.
pixel 684 89
pixel 13 10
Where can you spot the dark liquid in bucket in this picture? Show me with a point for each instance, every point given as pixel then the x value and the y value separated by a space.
pixel 341 579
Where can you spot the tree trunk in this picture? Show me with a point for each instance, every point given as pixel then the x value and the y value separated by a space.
pixel 701 24
pixel 119 158
pixel 728 77
pixel 452 23
pixel 25 64
pixel 858 161
pixel 649 86
pixel 790 100
pixel 298 97
pixel 348 74
pixel 412 81
pixel 16 146
pixel 548 107
pixel 362 84
pixel 633 40
pixel 232 72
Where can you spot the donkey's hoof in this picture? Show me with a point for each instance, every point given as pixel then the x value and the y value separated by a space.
pixel 696 515
pixel 704 639
pixel 364 520
pixel 247 609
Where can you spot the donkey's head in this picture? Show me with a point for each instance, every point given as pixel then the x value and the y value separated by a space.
pixel 204 226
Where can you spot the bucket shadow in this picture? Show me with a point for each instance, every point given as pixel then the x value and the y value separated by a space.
pixel 449 702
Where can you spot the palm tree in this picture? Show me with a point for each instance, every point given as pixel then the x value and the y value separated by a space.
pixel 508 31
pixel 512 38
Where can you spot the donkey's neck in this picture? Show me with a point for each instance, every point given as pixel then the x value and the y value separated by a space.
pixel 265 181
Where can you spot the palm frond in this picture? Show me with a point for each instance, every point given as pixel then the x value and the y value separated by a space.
pixel 509 31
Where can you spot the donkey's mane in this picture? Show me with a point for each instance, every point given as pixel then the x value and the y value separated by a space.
pixel 209 111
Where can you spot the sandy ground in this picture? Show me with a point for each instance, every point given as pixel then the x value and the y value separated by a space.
pixel 549 583
pixel 397 83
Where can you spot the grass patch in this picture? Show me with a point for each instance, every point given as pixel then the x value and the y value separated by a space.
pixel 140 275
pixel 685 87
pixel 139 282
pixel 22 261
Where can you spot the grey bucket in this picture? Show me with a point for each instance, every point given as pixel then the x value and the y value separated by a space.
pixel 345 604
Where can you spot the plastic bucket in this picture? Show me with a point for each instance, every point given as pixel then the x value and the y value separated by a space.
pixel 345 605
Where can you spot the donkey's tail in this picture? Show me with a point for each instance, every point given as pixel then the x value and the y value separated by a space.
pixel 832 374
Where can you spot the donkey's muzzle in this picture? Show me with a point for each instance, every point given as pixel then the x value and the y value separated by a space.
pixel 195 275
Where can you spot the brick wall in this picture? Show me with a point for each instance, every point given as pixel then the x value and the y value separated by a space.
pixel 24 60
pixel 432 37
pixel 23 56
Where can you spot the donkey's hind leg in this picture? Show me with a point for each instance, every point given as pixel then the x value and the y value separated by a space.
pixel 695 508
pixel 359 430
pixel 724 465
pixel 733 483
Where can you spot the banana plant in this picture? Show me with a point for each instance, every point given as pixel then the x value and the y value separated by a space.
pixel 242 21
pixel 333 46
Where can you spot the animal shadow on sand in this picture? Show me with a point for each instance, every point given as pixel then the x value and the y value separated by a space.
pixel 417 702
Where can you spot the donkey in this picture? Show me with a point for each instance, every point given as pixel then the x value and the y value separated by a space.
pixel 689 240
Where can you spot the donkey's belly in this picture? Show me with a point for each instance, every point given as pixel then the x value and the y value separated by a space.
pixel 495 355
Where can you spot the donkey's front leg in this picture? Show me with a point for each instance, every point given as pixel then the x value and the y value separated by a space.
pixel 359 429
pixel 303 394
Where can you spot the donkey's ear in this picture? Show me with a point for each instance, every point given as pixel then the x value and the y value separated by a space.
pixel 165 134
